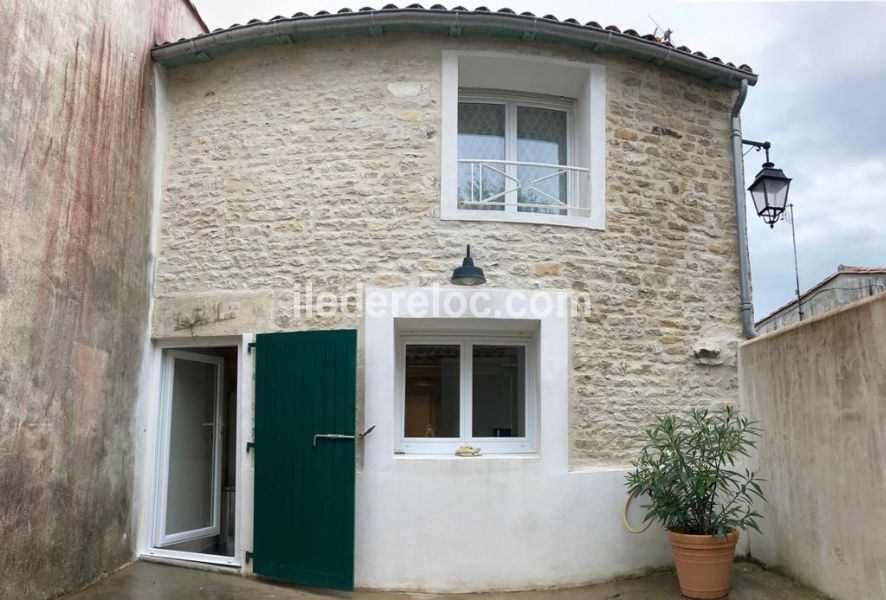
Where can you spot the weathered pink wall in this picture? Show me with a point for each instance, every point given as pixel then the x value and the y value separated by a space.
pixel 76 162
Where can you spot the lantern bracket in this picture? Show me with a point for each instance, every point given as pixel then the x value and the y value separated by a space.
pixel 759 146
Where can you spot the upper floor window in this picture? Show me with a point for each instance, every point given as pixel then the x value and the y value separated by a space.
pixel 522 140
pixel 514 154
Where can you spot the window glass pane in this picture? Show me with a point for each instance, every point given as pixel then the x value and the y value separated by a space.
pixel 481 135
pixel 191 447
pixel 432 391
pixel 499 391
pixel 541 138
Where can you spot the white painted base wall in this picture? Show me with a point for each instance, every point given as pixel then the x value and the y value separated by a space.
pixel 482 524
pixel 495 522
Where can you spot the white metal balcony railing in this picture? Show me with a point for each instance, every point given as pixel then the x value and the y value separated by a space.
pixel 511 189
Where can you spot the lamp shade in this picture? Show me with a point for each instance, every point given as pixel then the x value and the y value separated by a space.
pixel 467 273
pixel 770 192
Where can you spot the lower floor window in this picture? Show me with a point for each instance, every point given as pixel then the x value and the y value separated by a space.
pixel 458 391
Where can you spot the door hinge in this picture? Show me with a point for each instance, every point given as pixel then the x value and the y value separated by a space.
pixel 249 347
pixel 249 556
pixel 250 446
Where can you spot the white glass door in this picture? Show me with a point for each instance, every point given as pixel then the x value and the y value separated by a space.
pixel 189 485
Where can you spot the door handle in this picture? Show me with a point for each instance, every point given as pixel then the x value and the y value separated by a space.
pixel 331 436
pixel 340 436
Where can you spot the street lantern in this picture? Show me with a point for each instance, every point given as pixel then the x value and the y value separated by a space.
pixel 770 188
pixel 770 193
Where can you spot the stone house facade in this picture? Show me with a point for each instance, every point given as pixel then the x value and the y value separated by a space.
pixel 329 162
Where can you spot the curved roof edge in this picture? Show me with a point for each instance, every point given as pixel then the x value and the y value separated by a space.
pixel 457 22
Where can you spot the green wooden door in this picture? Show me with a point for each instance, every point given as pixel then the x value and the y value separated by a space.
pixel 304 489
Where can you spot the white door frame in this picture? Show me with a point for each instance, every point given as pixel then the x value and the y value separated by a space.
pixel 166 400
pixel 150 460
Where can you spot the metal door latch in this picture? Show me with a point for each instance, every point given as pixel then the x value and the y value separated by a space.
pixel 340 436
pixel 331 436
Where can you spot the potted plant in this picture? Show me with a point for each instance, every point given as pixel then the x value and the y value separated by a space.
pixel 688 472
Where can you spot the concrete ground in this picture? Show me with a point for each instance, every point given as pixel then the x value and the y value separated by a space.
pixel 149 581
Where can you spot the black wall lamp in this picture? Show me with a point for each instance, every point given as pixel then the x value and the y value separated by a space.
pixel 467 273
pixel 770 188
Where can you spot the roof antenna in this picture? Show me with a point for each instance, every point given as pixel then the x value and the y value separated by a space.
pixel 660 33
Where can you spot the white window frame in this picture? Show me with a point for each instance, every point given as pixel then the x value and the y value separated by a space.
pixel 512 102
pixel 390 312
pixel 585 82
pixel 488 445
pixel 161 538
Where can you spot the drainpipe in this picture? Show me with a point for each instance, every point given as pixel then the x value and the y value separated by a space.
pixel 744 268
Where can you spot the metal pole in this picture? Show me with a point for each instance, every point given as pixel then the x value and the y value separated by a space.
pixel 746 305
pixel 796 264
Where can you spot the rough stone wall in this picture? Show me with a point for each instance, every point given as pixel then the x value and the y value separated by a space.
pixel 818 389
pixel 321 161
pixel 76 140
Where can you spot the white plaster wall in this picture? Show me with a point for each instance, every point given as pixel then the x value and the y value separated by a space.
pixel 490 523
pixel 818 389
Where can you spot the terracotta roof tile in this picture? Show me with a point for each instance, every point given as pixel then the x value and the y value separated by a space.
pixel 633 33
pixel 861 270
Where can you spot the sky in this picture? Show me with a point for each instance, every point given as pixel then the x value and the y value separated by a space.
pixel 820 100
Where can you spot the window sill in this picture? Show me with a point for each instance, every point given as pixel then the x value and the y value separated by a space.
pixel 517 217
pixel 524 456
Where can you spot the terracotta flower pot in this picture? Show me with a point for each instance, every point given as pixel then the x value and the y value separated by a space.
pixel 704 563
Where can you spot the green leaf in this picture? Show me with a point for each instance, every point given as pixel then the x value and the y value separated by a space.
pixel 691 473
